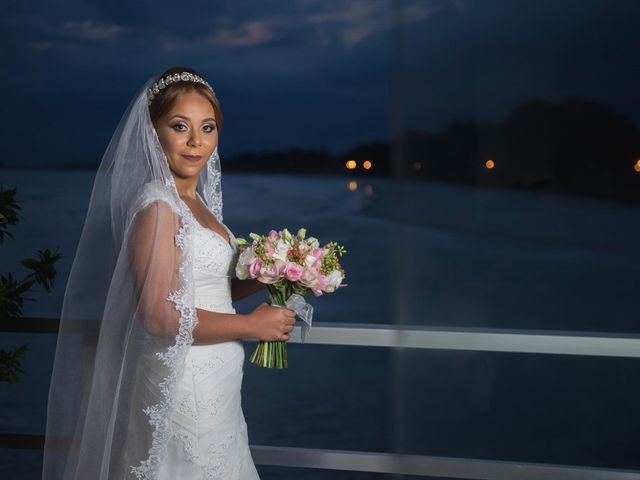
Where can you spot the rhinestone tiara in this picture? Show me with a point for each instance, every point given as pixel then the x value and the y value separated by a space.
pixel 176 77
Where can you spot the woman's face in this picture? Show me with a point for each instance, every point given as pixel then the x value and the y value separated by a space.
pixel 188 134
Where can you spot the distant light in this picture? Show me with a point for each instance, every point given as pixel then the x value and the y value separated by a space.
pixel 636 167
pixel 368 189
pixel 352 185
pixel 417 166
pixel 490 164
pixel 366 164
pixel 350 164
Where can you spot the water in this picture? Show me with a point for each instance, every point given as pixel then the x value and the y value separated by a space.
pixel 427 254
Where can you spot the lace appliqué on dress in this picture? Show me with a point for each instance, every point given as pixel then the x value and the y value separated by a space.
pixel 208 257
pixel 216 466
pixel 174 357
pixel 215 455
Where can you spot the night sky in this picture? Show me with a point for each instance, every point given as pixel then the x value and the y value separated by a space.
pixel 306 73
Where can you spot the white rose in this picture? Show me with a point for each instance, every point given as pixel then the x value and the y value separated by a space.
pixel 335 279
pixel 309 260
pixel 246 257
pixel 281 250
pixel 242 271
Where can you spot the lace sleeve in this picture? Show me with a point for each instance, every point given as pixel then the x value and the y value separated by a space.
pixel 154 259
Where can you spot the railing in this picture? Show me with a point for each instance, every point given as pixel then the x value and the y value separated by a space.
pixel 469 339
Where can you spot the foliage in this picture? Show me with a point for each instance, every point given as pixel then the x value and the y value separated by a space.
pixel 13 290
pixel 8 212
pixel 10 364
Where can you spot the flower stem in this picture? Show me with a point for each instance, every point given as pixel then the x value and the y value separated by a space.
pixel 273 354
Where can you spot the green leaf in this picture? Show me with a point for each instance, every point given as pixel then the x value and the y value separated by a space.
pixel 8 212
pixel 10 365
pixel 43 268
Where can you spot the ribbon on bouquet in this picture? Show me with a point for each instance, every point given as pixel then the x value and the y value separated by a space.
pixel 303 309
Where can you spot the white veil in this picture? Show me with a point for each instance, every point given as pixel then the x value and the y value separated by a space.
pixel 129 301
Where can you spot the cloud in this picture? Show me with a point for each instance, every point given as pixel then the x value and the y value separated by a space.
pixel 355 21
pixel 348 26
pixel 345 27
pixel 344 23
pixel 247 34
pixel 325 24
pixel 91 30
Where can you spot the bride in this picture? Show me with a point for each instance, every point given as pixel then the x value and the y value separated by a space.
pixel 149 360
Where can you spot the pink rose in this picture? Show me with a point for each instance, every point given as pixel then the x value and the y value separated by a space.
pixel 308 278
pixel 273 235
pixel 280 267
pixel 293 271
pixel 269 248
pixel 254 268
pixel 269 274
pixel 323 281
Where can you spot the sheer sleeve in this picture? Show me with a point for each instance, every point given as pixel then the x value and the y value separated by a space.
pixel 154 260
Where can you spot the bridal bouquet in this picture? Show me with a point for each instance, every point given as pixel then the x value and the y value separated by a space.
pixel 290 267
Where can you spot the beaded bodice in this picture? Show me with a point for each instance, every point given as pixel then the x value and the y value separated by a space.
pixel 213 268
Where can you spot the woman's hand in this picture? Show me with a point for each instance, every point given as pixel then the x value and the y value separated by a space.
pixel 271 323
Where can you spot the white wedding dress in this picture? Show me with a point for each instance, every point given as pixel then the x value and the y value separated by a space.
pixel 209 438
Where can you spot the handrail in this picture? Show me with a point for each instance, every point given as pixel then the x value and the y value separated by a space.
pixel 423 465
pixel 393 336
pixel 555 342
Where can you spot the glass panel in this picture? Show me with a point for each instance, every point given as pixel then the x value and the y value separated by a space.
pixel 516 162
pixel 330 397
pixel 570 410
pixel 20 464
pixel 23 407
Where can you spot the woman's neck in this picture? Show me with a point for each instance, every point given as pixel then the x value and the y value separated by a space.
pixel 186 187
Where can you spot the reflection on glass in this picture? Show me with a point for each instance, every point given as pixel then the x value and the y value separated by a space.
pixel 514 207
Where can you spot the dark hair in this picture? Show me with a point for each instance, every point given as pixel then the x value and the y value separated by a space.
pixel 163 101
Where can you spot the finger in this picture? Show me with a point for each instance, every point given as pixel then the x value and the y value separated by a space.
pixel 286 317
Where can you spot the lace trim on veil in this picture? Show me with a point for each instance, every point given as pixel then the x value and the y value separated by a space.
pixel 173 358
pixel 212 188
